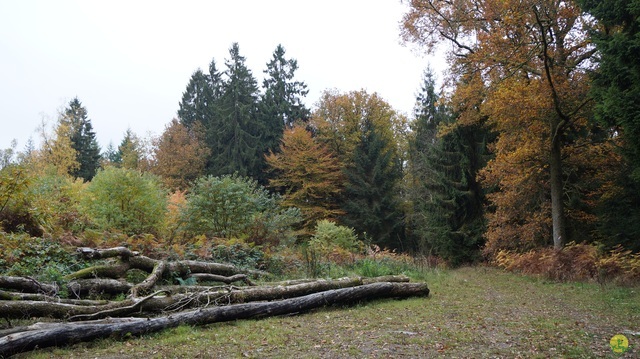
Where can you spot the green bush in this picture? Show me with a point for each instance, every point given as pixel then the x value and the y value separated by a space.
pixel 234 206
pixel 15 215
pixel 120 199
pixel 329 235
pixel 55 202
pixel 38 257
pixel 331 244
pixel 239 254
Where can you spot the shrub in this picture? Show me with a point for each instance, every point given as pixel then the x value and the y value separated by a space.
pixel 55 202
pixel 15 215
pixel 176 203
pixel 234 206
pixel 330 243
pixel 239 253
pixel 120 199
pixel 329 235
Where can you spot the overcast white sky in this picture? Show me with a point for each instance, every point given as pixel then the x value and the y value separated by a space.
pixel 130 61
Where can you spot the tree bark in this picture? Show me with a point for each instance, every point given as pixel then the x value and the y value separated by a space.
pixel 70 333
pixel 557 190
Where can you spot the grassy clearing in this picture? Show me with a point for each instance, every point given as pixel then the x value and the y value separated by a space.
pixel 472 313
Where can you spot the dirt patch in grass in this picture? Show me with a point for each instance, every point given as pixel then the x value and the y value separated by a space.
pixel 472 313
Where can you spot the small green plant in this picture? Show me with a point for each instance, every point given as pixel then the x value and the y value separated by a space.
pixel 371 268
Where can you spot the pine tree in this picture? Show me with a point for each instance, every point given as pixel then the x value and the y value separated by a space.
pixel 281 105
pixel 371 199
pixel 83 140
pixel 236 139
pixel 447 216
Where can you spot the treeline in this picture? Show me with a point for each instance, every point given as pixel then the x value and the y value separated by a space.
pixel 531 144
pixel 239 161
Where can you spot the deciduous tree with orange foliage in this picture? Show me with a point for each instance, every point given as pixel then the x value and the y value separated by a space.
pixel 520 67
pixel 180 155
pixel 309 175
pixel 338 118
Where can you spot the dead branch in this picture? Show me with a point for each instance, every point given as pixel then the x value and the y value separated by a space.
pixel 146 285
pixel 115 312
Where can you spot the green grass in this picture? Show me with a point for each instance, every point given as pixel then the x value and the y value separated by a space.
pixel 472 313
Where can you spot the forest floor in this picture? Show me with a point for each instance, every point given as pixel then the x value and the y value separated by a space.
pixel 473 312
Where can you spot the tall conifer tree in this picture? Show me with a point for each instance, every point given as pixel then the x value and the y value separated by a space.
pixel 237 147
pixel 196 100
pixel 371 200
pixel 83 140
pixel 281 103
pixel 447 216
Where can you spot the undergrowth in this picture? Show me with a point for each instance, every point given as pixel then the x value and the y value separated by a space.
pixel 576 262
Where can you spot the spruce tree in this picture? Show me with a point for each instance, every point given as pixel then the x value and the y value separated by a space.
pixel 281 105
pixel 111 155
pixel 236 139
pixel 201 104
pixel 447 216
pixel 129 152
pixel 371 192
pixel 83 140
pixel 196 100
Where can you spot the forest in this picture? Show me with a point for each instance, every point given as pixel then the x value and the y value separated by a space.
pixel 527 158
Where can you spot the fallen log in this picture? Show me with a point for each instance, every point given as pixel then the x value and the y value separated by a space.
pixel 27 284
pixel 92 253
pixel 206 277
pixel 113 271
pixel 206 296
pixel 70 333
pixel 97 287
pixel 4 295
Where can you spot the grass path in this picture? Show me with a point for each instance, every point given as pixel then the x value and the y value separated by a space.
pixel 472 313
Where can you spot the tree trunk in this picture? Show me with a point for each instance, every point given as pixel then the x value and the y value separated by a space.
pixel 70 333
pixel 557 191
